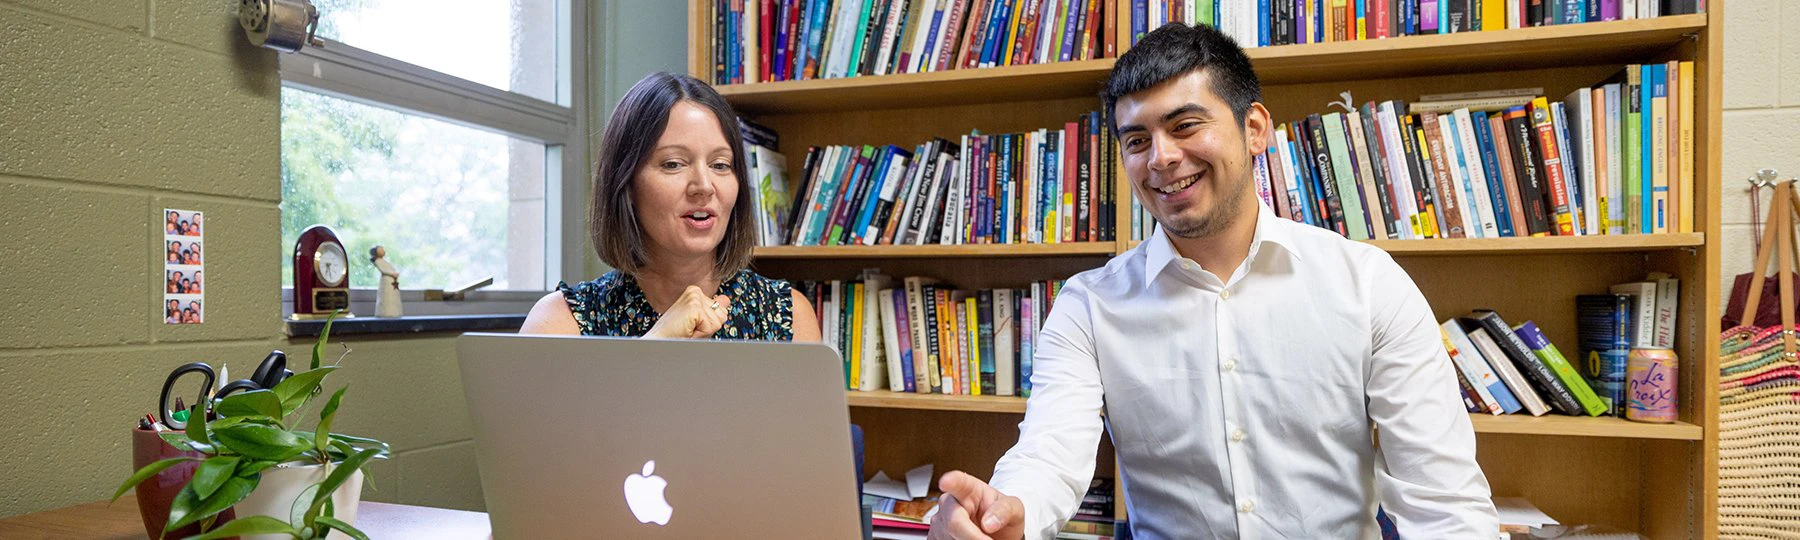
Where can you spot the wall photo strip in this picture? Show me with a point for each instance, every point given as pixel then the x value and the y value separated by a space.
pixel 184 264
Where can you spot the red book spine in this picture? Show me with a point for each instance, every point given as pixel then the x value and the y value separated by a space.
pixel 1559 198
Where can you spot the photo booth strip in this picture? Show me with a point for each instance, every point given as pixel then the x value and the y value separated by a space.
pixel 184 267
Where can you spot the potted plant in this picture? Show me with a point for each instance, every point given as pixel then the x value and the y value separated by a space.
pixel 256 454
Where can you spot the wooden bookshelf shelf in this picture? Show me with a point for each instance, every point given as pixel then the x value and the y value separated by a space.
pixel 1078 249
pixel 883 399
pixel 1515 49
pixel 959 86
pixel 1511 424
pixel 1551 424
pixel 1471 52
pixel 1548 244
pixel 1540 245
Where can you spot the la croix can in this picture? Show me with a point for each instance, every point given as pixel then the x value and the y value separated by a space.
pixel 1650 385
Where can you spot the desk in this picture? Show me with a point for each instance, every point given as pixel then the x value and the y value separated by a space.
pixel 120 521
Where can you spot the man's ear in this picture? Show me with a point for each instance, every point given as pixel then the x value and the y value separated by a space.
pixel 1257 128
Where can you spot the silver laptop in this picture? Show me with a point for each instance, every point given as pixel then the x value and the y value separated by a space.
pixel 584 437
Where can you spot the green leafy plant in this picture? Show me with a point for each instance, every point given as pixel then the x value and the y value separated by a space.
pixel 252 432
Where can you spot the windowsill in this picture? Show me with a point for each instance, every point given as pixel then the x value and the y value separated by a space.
pixel 482 311
pixel 416 324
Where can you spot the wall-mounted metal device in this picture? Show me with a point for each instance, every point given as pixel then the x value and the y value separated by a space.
pixel 283 25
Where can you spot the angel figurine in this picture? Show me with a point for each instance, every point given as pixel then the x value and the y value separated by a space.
pixel 387 297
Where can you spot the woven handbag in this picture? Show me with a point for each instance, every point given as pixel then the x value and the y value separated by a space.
pixel 1759 412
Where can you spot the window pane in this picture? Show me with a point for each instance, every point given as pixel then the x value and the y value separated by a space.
pixel 451 204
pixel 506 44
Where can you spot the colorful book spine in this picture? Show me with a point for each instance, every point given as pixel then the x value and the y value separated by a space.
pixel 1547 352
pixel 1552 166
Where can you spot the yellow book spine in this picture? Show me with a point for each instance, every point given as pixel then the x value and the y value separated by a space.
pixel 1686 167
pixel 1493 15
pixel 1012 34
pixel 972 373
pixel 856 335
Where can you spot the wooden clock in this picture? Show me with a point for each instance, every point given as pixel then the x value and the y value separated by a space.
pixel 321 274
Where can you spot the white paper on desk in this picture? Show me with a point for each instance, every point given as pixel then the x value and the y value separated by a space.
pixel 918 481
pixel 882 486
pixel 1517 511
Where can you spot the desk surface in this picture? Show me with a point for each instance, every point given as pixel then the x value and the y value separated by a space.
pixel 120 521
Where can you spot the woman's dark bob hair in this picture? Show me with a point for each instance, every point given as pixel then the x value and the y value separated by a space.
pixel 630 136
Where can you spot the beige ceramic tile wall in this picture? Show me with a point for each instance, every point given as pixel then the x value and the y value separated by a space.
pixel 1762 115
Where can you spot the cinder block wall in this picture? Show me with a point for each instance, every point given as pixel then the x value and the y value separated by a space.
pixel 111 111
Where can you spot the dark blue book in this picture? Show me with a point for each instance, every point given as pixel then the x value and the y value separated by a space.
pixel 1140 14
pixel 1490 163
pixel 995 41
pixel 870 194
pixel 1263 32
pixel 1004 184
pixel 1302 177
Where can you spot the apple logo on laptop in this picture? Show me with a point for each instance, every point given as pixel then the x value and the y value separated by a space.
pixel 644 495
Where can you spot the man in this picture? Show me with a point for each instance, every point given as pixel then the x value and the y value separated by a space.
pixel 1242 361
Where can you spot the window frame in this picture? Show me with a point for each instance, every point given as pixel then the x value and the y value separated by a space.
pixel 346 72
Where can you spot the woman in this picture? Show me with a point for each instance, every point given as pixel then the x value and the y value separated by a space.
pixel 671 212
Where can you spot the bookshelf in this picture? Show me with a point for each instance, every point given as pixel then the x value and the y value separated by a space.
pixel 1507 424
pixel 1659 480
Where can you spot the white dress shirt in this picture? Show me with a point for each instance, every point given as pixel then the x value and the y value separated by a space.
pixel 1247 407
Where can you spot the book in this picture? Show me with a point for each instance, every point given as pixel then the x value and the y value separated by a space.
pixel 869 325
pixel 1668 299
pixel 1515 381
pixel 1547 352
pixel 898 367
pixel 1643 295
pixel 1535 370
pixel 1474 369
pixel 924 356
pixel 1005 343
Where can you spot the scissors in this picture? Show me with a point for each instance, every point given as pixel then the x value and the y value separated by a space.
pixel 269 373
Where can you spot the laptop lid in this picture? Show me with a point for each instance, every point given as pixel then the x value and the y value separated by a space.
pixel 589 437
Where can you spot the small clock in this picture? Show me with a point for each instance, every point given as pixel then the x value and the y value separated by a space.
pixel 321 273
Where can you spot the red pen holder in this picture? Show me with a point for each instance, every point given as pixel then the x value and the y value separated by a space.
pixel 156 493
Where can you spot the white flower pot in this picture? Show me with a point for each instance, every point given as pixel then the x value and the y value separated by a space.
pixel 279 493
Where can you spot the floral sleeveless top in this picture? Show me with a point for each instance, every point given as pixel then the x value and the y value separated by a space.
pixel 613 305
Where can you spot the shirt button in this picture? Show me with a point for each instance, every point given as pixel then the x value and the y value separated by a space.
pixel 1229 365
pixel 1225 295
pixel 1237 435
pixel 1246 506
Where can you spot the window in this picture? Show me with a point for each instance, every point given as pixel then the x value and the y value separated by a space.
pixel 447 131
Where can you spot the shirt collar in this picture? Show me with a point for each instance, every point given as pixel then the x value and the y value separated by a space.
pixel 1159 251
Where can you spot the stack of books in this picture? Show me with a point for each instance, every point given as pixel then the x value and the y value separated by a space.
pixel 929 338
pixel 769 191
pixel 1093 520
pixel 785 40
pixel 1043 186
pixel 1289 22
pixel 1505 370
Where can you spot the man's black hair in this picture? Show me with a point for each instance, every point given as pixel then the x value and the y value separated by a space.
pixel 1174 50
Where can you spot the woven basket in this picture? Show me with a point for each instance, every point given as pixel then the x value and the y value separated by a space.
pixel 1759 402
